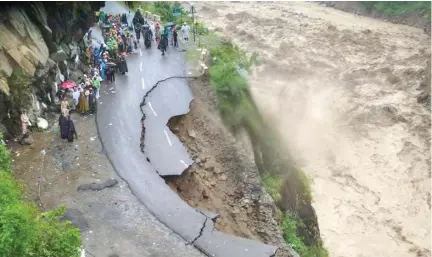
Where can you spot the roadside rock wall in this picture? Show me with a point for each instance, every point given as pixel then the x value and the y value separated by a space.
pixel 40 46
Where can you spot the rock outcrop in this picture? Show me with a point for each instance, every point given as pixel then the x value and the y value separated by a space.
pixel 39 45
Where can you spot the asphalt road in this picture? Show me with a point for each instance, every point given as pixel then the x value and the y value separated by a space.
pixel 119 125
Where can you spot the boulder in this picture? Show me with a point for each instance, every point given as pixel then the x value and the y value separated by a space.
pixel 42 123
pixel 27 32
pixel 75 75
pixel 34 110
pixel 22 42
pixel 26 140
pixel 59 56
pixel 41 72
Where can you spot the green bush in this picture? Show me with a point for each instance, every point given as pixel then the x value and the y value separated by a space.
pixel 24 230
pixel 232 91
pixel 392 8
pixel 289 226
pixel 272 184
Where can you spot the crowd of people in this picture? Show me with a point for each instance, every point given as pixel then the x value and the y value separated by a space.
pixel 105 60
pixel 163 36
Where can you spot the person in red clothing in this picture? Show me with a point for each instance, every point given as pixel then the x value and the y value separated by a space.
pixel 157 32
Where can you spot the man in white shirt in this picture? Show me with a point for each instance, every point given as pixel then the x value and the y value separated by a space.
pixel 185 29
pixel 75 96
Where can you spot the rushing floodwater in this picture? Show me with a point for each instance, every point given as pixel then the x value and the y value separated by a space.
pixel 342 89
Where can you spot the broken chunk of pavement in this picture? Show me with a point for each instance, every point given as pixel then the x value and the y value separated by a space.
pixel 218 244
pixel 59 56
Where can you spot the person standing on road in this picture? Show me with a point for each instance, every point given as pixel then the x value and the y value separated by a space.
pixel 185 30
pixel 64 106
pixel 25 122
pixel 157 32
pixel 163 44
pixel 172 34
pixel 71 130
pixel 96 83
pixel 83 107
pixel 92 101
pixel 75 96
pixel 175 36
pixel 63 126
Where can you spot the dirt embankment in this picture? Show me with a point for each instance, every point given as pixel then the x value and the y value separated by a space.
pixel 343 90
pixel 224 178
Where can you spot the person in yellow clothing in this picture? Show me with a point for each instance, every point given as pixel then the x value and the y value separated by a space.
pixel 83 106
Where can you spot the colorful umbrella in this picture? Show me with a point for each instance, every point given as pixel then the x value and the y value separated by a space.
pixel 68 84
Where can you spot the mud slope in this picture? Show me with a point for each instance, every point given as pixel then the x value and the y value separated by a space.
pixel 343 90
pixel 224 179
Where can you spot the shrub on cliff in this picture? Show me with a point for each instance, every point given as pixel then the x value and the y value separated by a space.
pixel 24 230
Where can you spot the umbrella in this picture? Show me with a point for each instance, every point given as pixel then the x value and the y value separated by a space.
pixel 169 24
pixel 68 84
pixel 111 64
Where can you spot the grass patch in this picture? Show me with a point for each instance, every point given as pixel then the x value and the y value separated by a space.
pixel 392 8
pixel 272 184
pixel 209 40
pixel 289 226
pixel 305 181
pixel 24 230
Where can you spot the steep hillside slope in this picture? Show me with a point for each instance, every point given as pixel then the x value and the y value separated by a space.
pixel 40 46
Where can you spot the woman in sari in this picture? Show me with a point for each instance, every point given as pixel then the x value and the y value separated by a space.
pixel 121 64
pixel 157 32
pixel 71 132
pixel 63 126
pixel 83 106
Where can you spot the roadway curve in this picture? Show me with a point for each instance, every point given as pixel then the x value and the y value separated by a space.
pixel 119 125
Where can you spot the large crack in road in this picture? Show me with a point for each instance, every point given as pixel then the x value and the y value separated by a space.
pixel 165 151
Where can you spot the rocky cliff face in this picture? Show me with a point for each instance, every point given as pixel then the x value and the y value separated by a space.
pixel 40 46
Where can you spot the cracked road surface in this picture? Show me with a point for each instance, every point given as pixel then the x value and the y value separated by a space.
pixel 119 124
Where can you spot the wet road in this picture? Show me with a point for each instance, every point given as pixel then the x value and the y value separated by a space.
pixel 119 124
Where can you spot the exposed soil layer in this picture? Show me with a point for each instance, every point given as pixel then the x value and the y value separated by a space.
pixel 224 179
